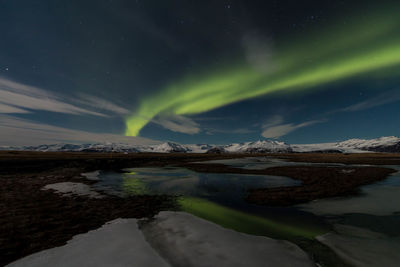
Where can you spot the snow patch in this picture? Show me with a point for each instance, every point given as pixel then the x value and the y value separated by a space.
pixel 93 176
pixel 362 247
pixel 186 240
pixel 117 243
pixel 70 189
pixel 376 200
pixel 181 238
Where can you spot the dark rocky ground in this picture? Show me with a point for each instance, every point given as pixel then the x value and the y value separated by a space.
pixel 318 182
pixel 32 219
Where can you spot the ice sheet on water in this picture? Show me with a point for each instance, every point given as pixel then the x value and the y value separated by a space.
pixel 118 243
pixel 187 240
pixel 362 247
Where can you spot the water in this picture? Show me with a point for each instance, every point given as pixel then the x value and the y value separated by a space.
pixel 380 199
pixel 366 226
pixel 179 181
pixel 366 222
pixel 208 195
pixel 259 163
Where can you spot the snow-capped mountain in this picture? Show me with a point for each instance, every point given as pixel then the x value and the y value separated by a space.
pixel 265 146
pixel 99 147
pixel 382 144
pixel 200 148
pixel 167 147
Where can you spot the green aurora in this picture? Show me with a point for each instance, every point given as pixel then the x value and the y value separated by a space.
pixel 366 45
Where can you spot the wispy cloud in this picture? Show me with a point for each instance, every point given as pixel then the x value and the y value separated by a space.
pixel 380 100
pixel 259 51
pixel 177 123
pixel 4 108
pixel 102 104
pixel 211 131
pixel 27 97
pixel 274 120
pixel 280 130
pixel 17 97
pixel 17 132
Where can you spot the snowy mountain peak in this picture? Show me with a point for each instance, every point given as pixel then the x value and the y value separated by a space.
pixel 382 144
pixel 365 143
pixel 263 146
pixel 169 147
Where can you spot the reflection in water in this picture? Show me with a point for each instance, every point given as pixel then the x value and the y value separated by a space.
pixel 179 181
pixel 134 187
pixel 259 163
pixel 373 218
pixel 220 198
pixel 243 222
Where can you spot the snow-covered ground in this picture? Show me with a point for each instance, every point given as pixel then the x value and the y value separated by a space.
pixel 378 199
pixel 93 176
pixel 375 201
pixel 363 247
pixel 70 189
pixel 117 243
pixel 186 240
pixel 172 238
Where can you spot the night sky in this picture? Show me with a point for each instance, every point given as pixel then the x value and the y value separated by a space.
pixel 198 71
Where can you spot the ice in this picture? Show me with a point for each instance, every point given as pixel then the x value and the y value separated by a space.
pixel 374 200
pixel 186 240
pixel 118 243
pixel 70 188
pixel 94 176
pixel 361 247
pixel 175 238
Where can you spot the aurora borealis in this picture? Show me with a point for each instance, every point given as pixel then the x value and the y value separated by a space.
pixel 361 48
pixel 198 71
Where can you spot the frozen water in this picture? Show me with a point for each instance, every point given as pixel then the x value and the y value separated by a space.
pixel 70 188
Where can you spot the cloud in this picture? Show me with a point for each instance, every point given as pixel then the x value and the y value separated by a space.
pixel 259 51
pixel 283 129
pixel 19 132
pixel 102 104
pixel 177 123
pixel 20 98
pixel 11 109
pixel 211 131
pixel 274 120
pixel 385 98
pixel 23 97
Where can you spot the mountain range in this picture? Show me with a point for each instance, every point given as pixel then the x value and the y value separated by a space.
pixel 382 144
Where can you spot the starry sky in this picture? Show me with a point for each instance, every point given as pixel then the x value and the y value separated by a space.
pixel 198 71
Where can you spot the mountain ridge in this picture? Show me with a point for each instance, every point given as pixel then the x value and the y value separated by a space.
pixel 390 144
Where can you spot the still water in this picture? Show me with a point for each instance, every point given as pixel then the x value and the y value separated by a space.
pixel 365 226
